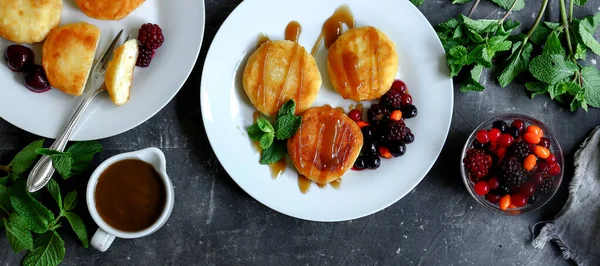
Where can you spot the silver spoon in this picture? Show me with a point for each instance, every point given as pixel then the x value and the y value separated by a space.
pixel 42 171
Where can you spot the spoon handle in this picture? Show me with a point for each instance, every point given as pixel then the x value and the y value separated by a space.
pixel 42 171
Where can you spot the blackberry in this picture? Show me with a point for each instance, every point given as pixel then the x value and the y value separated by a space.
pixel 145 56
pixel 377 113
pixel 477 163
pixel 546 187
pixel 512 172
pixel 150 35
pixel 392 99
pixel 394 130
pixel 520 150
pixel 478 145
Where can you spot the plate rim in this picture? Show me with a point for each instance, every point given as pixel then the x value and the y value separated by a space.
pixel 149 115
pixel 349 217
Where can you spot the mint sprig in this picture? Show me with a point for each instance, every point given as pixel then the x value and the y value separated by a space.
pixel 272 138
pixel 28 223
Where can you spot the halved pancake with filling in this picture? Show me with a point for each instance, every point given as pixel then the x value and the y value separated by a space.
pixel 326 144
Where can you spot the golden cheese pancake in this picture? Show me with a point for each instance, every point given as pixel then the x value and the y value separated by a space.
pixel 28 21
pixel 362 64
pixel 326 144
pixel 68 55
pixel 108 9
pixel 119 72
pixel 279 71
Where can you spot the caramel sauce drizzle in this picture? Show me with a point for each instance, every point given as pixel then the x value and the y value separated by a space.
pixel 262 38
pixel 303 183
pixel 332 28
pixel 292 31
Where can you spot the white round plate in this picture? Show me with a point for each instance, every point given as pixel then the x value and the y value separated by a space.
pixel 227 112
pixel 46 114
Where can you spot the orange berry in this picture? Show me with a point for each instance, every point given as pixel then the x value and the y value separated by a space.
pixel 396 115
pixel 535 130
pixel 385 152
pixel 531 138
pixel 362 124
pixel 541 152
pixel 529 162
pixel 504 202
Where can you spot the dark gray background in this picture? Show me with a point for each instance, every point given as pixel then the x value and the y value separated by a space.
pixel 216 223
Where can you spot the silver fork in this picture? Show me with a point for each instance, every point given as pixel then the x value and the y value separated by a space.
pixel 42 171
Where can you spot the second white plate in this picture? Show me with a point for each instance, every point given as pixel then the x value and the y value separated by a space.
pixel 227 111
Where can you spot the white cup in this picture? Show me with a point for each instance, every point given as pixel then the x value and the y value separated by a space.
pixel 106 234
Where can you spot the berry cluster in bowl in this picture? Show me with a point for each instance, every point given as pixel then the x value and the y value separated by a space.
pixel 385 135
pixel 512 163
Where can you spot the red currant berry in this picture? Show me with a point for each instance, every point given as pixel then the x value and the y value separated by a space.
pixel 493 183
pixel 518 200
pixel 554 169
pixel 506 140
pixel 482 136
pixel 399 86
pixel 406 100
pixel 551 159
pixel 519 124
pixel 537 178
pixel 544 142
pixel 492 198
pixel 355 115
pixel 527 189
pixel 482 188
pixel 494 135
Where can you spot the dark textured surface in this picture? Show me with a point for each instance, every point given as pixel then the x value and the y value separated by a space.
pixel 215 223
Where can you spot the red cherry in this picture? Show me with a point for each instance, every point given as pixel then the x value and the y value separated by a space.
pixel 506 140
pixel 537 178
pixel 551 159
pixel 527 188
pixel 406 99
pixel 482 136
pixel 544 142
pixel 493 198
pixel 518 200
pixel 519 124
pixel 482 188
pixel 554 169
pixel 542 168
pixel 494 135
pixel 399 86
pixel 493 183
pixel 355 115
pixel 501 152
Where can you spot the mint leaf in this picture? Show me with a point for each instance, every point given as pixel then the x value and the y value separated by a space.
pixel 70 201
pixel 474 36
pixel 288 108
pixel 551 68
pixel 84 151
pixel 472 84
pixel 591 23
pixel 588 39
pixel 579 2
pixel 579 101
pixel 63 163
pixel 417 2
pixel 447 26
pixel 34 214
pixel 274 153
pixel 25 159
pixel 5 205
pixel 580 51
pixel 264 125
pixel 508 26
pixel 287 126
pixel 78 227
pixel 18 236
pixel 591 84
pixel 49 250
pixel 506 4
pixel 254 132
pixel 561 88
pixel 47 151
pixel 480 25
pixel 480 55
pixel 518 63
pixel 456 59
pixel 498 44
pixel 266 140
pixel 54 190
pixel 553 45
pixel 537 88
pixel 456 2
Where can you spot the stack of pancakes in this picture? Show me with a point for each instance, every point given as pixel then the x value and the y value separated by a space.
pixel 362 65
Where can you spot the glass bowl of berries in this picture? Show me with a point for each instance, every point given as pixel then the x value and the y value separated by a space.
pixel 512 163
